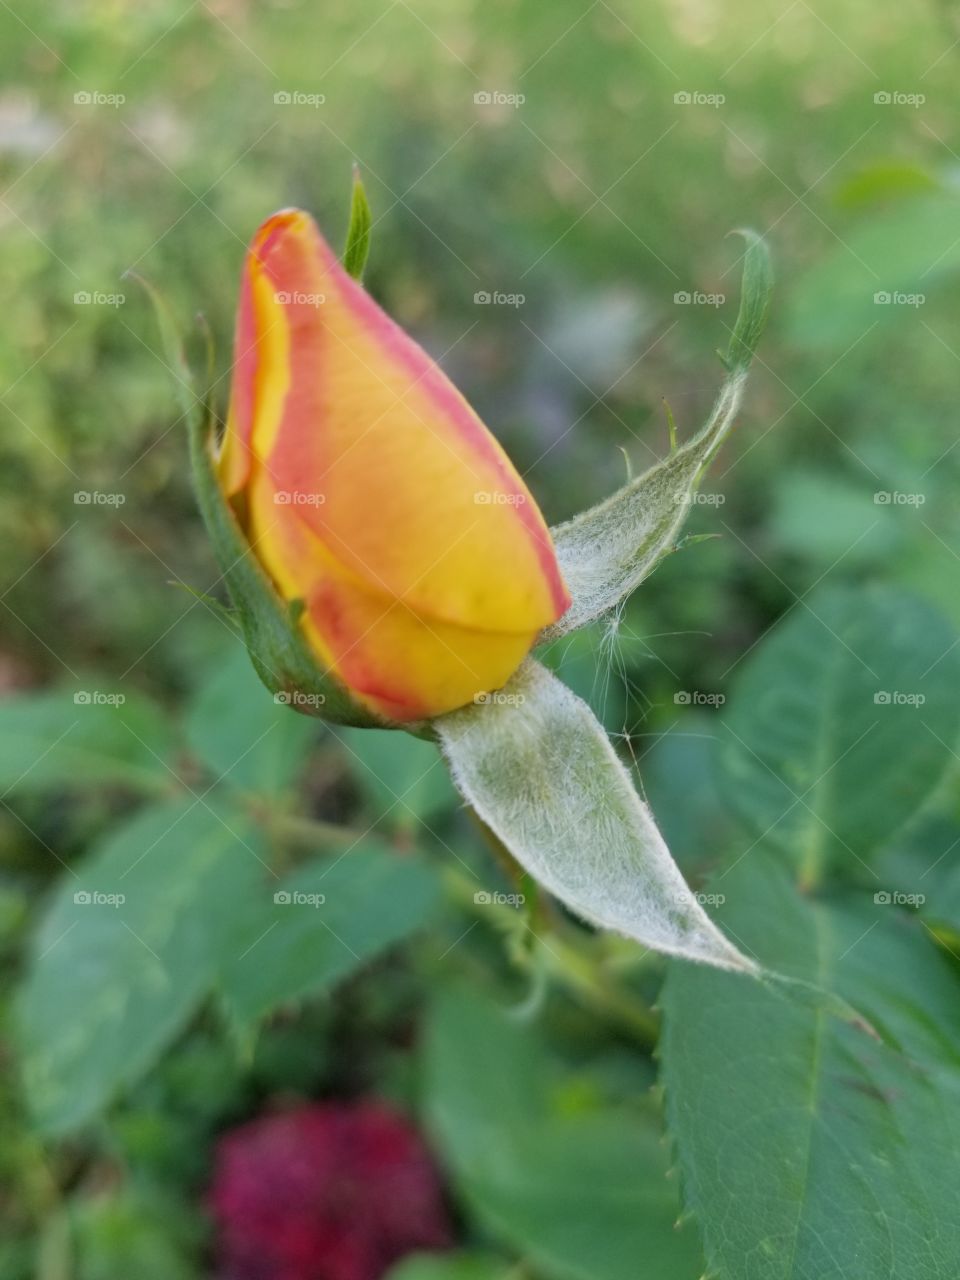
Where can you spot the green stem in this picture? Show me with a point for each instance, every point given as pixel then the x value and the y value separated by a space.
pixel 581 973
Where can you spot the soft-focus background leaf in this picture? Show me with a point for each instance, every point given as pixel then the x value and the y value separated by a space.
pixel 401 778
pixel 131 942
pixel 581 1188
pixel 464 1267
pixel 75 738
pixel 241 734
pixel 304 932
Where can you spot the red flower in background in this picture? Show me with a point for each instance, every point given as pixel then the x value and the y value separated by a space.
pixel 337 1191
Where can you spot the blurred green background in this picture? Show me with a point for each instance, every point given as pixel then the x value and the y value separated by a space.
pixel 591 158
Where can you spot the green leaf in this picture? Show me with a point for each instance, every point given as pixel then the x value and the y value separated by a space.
pixel 808 1147
pixel 132 1232
pixel 541 773
pixel 581 1190
pixel 243 734
pixel 77 737
pixel 607 551
pixel 128 948
pixel 680 783
pixel 301 935
pixel 451 1266
pixel 357 248
pixel 402 778
pixel 829 748
pixel 826 517
pixel 908 249
pixel 755 293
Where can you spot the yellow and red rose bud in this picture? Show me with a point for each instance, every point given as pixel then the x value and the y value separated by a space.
pixel 371 492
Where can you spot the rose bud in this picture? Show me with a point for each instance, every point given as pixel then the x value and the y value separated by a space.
pixel 414 560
